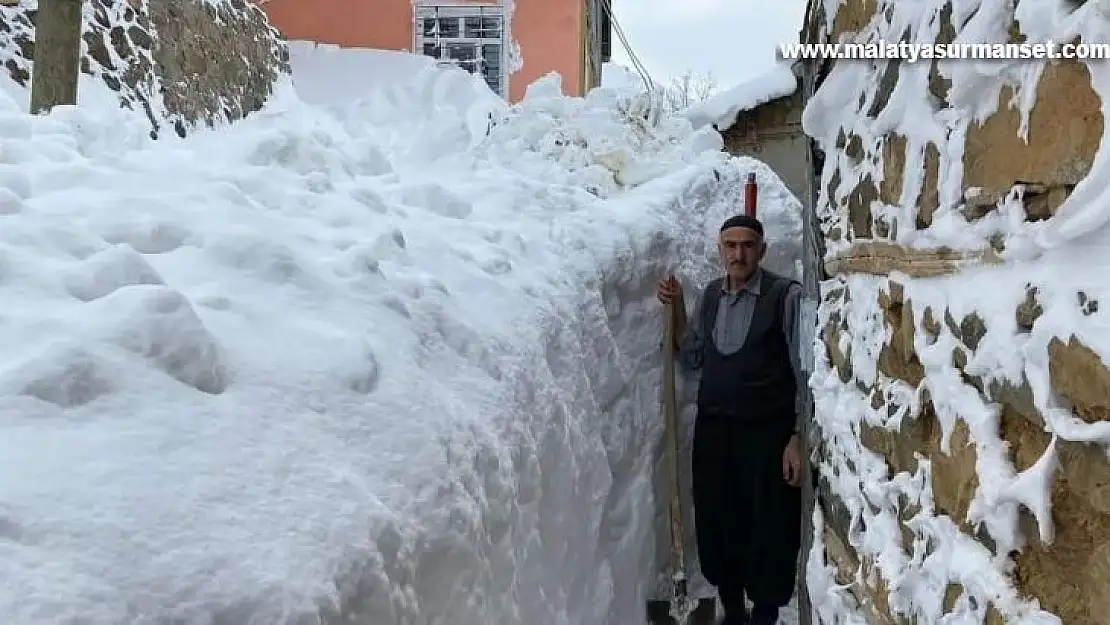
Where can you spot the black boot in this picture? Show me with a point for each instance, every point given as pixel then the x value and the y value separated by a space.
pixel 762 615
pixel 732 601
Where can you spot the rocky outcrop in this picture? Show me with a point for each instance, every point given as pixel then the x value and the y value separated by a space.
pixel 963 396
pixel 181 62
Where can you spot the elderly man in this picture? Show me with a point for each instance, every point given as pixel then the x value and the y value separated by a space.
pixel 747 456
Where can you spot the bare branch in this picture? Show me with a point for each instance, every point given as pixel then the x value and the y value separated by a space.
pixel 688 89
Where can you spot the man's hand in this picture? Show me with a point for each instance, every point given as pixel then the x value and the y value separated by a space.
pixel 792 462
pixel 669 290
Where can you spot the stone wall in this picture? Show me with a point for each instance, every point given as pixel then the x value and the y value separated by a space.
pixel 963 396
pixel 181 62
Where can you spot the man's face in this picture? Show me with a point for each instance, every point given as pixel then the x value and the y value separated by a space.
pixel 741 250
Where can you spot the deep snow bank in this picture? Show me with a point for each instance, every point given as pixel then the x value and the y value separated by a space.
pixel 962 392
pixel 328 74
pixel 360 364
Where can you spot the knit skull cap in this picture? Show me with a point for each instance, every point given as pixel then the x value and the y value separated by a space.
pixel 743 221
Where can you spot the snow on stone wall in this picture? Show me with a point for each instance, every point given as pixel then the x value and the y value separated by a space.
pixel 962 392
pixel 179 62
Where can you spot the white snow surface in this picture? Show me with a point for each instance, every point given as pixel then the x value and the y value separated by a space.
pixel 617 76
pixel 1059 258
pixel 391 359
pixel 722 109
pixel 328 73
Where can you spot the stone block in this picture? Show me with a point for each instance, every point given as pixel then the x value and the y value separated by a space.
pixel 1070 576
pixel 1079 374
pixel 1065 129
pixel 853 15
pixel 858 205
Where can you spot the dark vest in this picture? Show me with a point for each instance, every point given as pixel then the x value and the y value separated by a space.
pixel 756 383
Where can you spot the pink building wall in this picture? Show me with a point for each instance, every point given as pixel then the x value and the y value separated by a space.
pixel 550 33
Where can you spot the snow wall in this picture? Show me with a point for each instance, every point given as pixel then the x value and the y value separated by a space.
pixel 962 391
pixel 385 360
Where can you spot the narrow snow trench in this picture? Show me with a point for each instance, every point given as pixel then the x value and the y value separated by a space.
pixel 371 363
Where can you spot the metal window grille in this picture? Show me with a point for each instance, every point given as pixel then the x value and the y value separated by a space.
pixel 468 36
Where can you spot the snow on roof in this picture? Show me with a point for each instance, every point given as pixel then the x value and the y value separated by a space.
pixel 723 109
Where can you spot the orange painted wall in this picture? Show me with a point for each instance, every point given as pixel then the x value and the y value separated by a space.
pixel 549 32
pixel 550 36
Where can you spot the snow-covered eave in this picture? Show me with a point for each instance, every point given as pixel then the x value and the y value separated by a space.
pixel 722 110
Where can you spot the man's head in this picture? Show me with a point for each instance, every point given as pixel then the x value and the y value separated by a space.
pixel 741 246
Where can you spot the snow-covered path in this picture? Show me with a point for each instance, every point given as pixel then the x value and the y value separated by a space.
pixel 356 362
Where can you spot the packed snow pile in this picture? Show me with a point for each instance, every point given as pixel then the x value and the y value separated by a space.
pixel 319 64
pixel 963 389
pixel 722 110
pixel 617 76
pixel 344 363
pixel 178 62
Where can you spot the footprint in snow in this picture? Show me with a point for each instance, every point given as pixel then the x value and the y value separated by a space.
pixel 10 203
pixel 371 199
pixel 15 180
pixel 147 236
pixel 66 376
pixel 109 270
pixel 437 199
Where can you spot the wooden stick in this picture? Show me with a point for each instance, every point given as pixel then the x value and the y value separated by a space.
pixel 670 416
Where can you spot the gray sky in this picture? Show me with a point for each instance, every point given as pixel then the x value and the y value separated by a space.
pixel 735 40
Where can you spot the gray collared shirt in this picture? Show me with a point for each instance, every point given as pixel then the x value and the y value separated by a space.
pixel 734 317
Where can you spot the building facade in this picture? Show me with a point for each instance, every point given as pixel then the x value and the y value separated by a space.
pixel 772 132
pixel 484 37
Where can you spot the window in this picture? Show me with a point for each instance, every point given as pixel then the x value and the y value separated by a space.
pixel 469 36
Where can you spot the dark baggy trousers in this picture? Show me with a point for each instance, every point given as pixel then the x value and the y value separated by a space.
pixel 746 517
